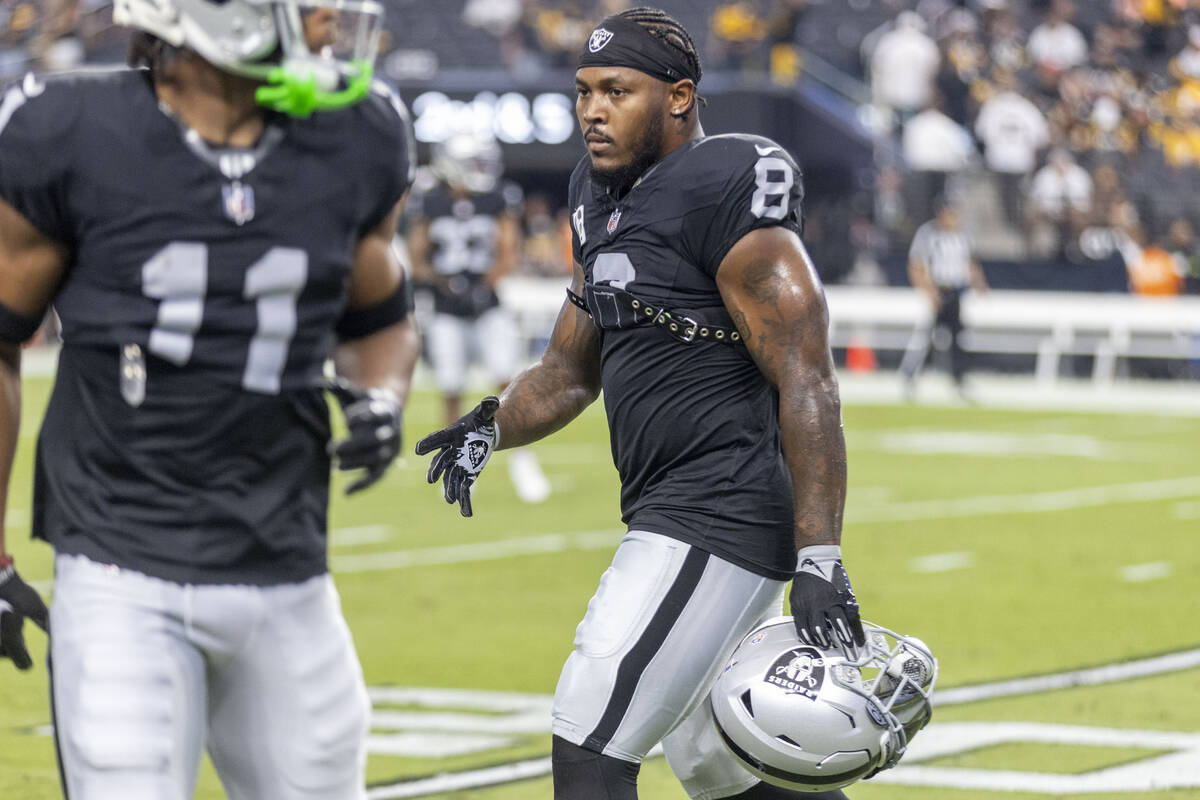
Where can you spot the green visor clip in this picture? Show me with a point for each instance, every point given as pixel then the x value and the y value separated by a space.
pixel 298 96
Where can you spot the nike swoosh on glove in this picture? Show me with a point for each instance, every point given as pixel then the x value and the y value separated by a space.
pixel 822 602
pixel 464 448
pixel 374 425
pixel 18 601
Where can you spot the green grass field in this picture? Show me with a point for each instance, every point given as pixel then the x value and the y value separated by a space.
pixel 1014 543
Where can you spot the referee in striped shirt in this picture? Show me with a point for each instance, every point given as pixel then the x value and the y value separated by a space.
pixel 941 266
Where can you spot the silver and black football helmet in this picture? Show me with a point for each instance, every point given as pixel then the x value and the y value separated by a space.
pixel 814 719
pixel 268 40
pixel 468 161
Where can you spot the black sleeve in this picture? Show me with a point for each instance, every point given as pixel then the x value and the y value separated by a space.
pixel 741 183
pixel 36 121
pixel 576 209
pixel 394 164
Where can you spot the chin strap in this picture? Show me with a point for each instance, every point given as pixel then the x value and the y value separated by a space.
pixel 298 95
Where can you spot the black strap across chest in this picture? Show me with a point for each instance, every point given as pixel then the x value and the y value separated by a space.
pixel 612 308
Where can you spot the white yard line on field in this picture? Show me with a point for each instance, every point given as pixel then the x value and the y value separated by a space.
pixel 479 551
pixel 1090 676
pixel 1173 768
pixel 471 779
pixel 979 505
pixel 941 562
pixel 456 553
pixel 1140 573
pixel 1188 510
pixel 1029 503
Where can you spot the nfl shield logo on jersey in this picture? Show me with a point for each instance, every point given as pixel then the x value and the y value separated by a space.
pixel 614 220
pixel 600 37
pixel 239 202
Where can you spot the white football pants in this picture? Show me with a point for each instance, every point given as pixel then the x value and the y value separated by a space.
pixel 662 625
pixel 492 341
pixel 146 673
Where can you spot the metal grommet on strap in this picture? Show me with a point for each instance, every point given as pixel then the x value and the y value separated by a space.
pixel 704 332
pixel 735 336
pixel 636 304
pixel 720 334
pixel 649 312
pixel 674 327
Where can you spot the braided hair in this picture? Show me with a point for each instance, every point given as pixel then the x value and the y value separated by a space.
pixel 668 30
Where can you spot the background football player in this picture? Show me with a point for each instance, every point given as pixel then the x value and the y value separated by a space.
pixel 465 238
pixel 206 256
pixel 696 309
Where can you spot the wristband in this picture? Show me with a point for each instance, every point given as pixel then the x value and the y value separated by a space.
pixel 357 323
pixel 818 553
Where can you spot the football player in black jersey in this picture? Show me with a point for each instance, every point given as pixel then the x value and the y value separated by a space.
pixel 696 309
pixel 211 226
pixel 465 239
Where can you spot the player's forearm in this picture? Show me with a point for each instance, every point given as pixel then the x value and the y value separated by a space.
pixel 382 360
pixel 10 422
pixel 541 400
pixel 814 449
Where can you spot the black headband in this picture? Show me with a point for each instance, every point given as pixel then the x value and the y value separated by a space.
pixel 621 42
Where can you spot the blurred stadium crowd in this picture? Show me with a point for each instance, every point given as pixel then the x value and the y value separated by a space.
pixel 1066 128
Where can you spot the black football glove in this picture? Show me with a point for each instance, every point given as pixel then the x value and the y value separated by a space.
pixel 465 447
pixel 823 604
pixel 373 421
pixel 18 601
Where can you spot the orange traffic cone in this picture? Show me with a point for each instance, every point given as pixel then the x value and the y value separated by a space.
pixel 859 355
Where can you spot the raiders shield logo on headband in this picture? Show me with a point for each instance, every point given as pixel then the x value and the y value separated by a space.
pixel 600 37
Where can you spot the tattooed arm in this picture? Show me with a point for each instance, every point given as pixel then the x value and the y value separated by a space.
pixel 772 291
pixel 557 388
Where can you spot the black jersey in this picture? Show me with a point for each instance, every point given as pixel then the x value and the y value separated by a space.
pixel 186 435
pixel 462 245
pixel 694 427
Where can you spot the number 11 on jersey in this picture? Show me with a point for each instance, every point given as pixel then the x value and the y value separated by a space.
pixel 177 275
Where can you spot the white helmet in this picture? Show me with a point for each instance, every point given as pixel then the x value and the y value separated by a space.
pixel 468 161
pixel 266 39
pixel 810 719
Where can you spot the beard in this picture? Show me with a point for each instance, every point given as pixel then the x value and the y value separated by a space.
pixel 619 179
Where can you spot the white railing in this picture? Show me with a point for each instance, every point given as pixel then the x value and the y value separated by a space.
pixel 1046 325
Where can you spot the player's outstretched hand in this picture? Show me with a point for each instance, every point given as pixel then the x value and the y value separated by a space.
pixel 18 601
pixel 373 420
pixel 823 604
pixel 464 448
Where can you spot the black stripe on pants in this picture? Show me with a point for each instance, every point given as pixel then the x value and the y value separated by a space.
pixel 62 768
pixel 648 644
